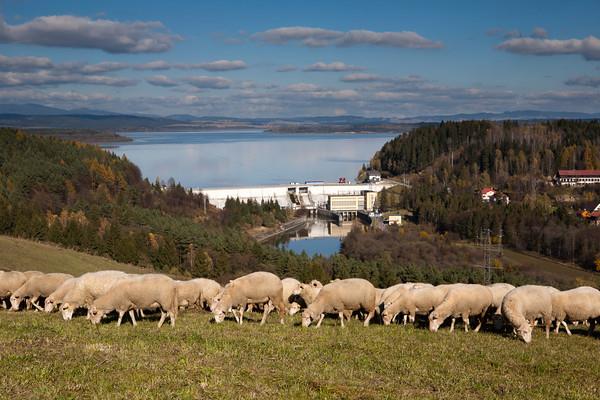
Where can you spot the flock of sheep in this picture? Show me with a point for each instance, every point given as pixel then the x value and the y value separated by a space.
pixel 106 291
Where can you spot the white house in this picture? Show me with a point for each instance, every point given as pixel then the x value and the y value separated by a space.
pixel 578 177
pixel 487 193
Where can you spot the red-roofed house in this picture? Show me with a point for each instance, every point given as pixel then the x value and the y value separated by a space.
pixel 577 177
pixel 487 193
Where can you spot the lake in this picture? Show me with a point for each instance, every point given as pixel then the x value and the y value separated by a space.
pixel 227 158
pixel 242 158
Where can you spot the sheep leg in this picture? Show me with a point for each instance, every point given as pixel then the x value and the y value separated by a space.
pixel 266 312
pixel 591 328
pixel 566 328
pixel 241 313
pixel 369 316
pixel 27 304
pixel 452 324
pixel 31 302
pixel 121 313
pixel 132 316
pixel 466 322
pixel 163 316
pixel 4 304
pixel 557 328
pixel 404 319
pixel 172 318
pixel 320 320
pixel 234 312
pixel 341 314
pixel 142 313
pixel 478 327
pixel 548 322
pixel 37 307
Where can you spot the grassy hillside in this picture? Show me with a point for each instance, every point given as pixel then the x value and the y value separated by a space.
pixel 44 357
pixel 22 255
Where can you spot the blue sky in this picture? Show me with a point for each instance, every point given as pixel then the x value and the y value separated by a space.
pixel 275 58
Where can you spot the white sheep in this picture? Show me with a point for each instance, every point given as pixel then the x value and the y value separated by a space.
pixel 308 292
pixel 340 296
pixel 420 300
pixel 525 304
pixel 89 287
pixel 11 281
pixel 499 290
pixel 56 297
pixel 259 288
pixel 37 286
pixel 463 300
pixel 138 292
pixel 580 304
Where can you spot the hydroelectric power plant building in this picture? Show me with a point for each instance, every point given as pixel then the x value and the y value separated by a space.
pixel 336 197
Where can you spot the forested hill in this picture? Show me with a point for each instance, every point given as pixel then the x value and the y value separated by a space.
pixel 448 164
pixel 84 198
pixel 501 149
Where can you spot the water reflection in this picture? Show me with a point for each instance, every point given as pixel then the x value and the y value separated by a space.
pixel 218 159
pixel 317 237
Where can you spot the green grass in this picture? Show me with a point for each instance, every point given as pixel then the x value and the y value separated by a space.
pixel 43 357
pixel 22 255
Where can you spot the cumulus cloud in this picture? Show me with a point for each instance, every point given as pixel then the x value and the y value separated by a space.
pixel 336 66
pixel 83 32
pixel 161 80
pixel 24 63
pixel 41 78
pixel 209 82
pixel 319 37
pixel 588 48
pixel 361 77
pixel 286 68
pixel 589 81
pixel 219 65
pixel 153 66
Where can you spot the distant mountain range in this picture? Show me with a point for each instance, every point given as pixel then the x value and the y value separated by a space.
pixel 37 116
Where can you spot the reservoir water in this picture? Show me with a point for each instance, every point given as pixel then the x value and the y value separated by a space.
pixel 241 158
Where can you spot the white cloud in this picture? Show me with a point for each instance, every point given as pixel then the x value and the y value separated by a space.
pixel 361 78
pixel 584 81
pixel 83 32
pixel 40 78
pixel 219 65
pixel 588 47
pixel 209 82
pixel 336 66
pixel 319 37
pixel 161 80
pixel 24 63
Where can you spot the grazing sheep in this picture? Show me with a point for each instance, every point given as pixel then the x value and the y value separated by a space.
pixel 139 292
pixel 257 287
pixel 37 286
pixel 188 293
pixel 308 292
pixel 56 297
pixel 396 291
pixel 209 289
pixel 499 290
pixel 527 303
pixel 89 287
pixel 580 304
pixel 339 296
pixel 420 300
pixel 290 285
pixel 11 281
pixel 462 300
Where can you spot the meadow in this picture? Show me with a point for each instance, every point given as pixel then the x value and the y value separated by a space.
pixel 43 357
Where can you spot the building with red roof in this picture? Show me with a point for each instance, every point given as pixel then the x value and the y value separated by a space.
pixel 578 177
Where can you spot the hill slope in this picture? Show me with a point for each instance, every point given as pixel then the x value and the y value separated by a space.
pixel 22 255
